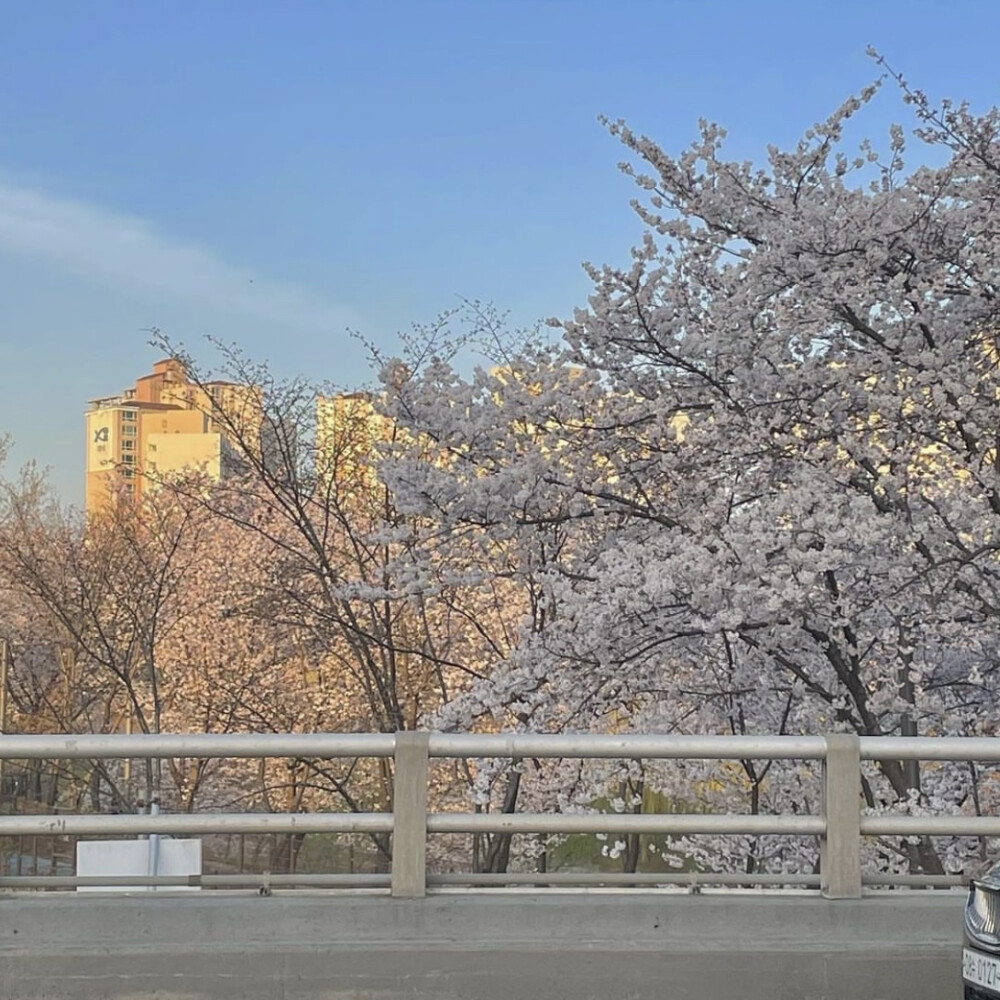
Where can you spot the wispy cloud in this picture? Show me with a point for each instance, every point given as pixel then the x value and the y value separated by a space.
pixel 129 253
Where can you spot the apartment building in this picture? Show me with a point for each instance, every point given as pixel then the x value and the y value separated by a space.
pixel 348 430
pixel 163 425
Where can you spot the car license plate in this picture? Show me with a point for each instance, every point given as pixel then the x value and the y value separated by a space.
pixel 981 970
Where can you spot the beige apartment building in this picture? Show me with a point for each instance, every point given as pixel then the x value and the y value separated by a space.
pixel 162 426
pixel 348 430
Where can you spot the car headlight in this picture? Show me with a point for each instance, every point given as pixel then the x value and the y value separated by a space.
pixel 982 915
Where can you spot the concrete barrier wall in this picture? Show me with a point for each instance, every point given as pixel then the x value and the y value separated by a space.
pixel 587 945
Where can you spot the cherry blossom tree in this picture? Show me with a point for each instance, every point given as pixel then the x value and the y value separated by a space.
pixel 345 572
pixel 132 620
pixel 770 445
pixel 105 595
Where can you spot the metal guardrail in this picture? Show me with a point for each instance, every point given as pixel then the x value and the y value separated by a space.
pixel 840 827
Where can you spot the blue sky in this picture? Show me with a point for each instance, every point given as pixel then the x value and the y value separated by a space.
pixel 276 173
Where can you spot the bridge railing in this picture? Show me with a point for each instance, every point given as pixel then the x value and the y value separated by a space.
pixel 840 826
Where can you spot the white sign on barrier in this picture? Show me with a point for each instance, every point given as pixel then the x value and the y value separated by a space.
pixel 132 857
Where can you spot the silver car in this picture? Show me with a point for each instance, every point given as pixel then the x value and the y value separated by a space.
pixel 981 952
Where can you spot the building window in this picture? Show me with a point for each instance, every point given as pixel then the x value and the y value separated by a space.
pixel 128 459
pixel 128 445
pixel 129 430
pixel 128 414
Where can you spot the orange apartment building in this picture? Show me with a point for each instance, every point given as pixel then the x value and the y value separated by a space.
pixel 161 426
pixel 348 430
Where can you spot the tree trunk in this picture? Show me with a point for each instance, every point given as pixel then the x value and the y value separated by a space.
pixel 497 857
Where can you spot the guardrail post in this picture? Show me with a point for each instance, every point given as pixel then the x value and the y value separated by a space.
pixel 409 815
pixel 840 855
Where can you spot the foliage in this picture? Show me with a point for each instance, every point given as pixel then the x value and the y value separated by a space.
pixel 769 446
pixel 753 488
